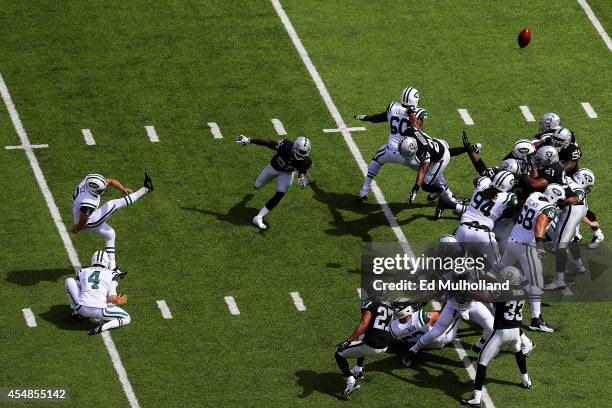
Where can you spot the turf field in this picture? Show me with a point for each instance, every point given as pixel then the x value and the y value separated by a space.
pixel 116 67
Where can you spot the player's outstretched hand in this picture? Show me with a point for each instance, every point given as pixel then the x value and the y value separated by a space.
pixel 127 191
pixel 413 195
pixel 342 345
pixel 466 140
pixel 121 299
pixel 361 117
pixel 242 140
pixel 74 229
pixel 303 181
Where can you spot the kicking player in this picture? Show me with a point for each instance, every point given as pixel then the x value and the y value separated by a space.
pixel 90 217
pixel 370 337
pixel 290 157
pixel 95 295
pixel 508 317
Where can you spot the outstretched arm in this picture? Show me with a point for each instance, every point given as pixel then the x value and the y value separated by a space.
pixel 376 118
pixel 118 186
pixel 244 140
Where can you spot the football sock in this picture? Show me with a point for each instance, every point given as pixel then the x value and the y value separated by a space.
pixel 373 170
pixel 273 202
pixel 110 250
pixel 360 361
pixel 524 377
pixel 350 379
pixel 560 276
pixel 477 395
pixel 343 365
pixel 521 361
pixel 130 198
pixel 535 308
pixel 113 324
pixel 481 373
pixel 263 212
pixel 561 259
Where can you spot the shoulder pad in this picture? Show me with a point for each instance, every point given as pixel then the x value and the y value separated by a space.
pixel 551 211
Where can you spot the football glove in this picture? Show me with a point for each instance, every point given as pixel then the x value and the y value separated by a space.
pixel 342 345
pixel 361 117
pixel 303 181
pixel 466 140
pixel 413 194
pixel 242 140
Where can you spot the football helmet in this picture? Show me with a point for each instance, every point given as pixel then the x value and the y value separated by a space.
pixel 513 276
pixel 408 147
pixel 545 156
pixel 448 246
pixel 100 258
pixel 561 138
pixel 511 165
pixel 585 179
pixel 504 181
pixel 549 121
pixel 555 192
pixel 95 183
pixel 410 98
pixel 301 148
pixel 523 149
pixel 403 309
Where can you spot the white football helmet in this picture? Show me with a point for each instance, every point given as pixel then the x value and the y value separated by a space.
pixel 513 276
pixel 561 138
pixel 549 121
pixel 404 310
pixel 100 258
pixel 585 179
pixel 95 183
pixel 523 149
pixel 555 192
pixel 301 148
pixel 511 165
pixel 410 98
pixel 545 156
pixel 504 181
pixel 408 147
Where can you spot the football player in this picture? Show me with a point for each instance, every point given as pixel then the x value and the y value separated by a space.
pixel 508 317
pixel 94 295
pixel 89 216
pixel 535 216
pixel 545 169
pixel 549 122
pixel 289 158
pixel 370 337
pixel 401 116
pixel 412 322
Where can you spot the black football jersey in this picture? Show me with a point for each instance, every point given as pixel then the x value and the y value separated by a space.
pixel 377 334
pixel 428 149
pixel 285 161
pixel 553 173
pixel 508 314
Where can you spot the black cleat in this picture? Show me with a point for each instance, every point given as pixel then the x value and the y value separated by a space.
pixel 538 324
pixel 439 208
pixel 148 183
pixel 118 274
pixel 408 358
pixel 76 316
pixel 95 330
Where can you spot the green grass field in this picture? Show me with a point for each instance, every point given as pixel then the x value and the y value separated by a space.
pixel 117 67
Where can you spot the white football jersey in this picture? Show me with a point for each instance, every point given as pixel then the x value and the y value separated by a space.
pixel 536 204
pixel 397 115
pixel 486 212
pixel 414 328
pixel 83 199
pixel 96 285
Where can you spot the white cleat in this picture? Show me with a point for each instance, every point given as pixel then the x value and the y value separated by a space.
pixel 350 387
pixel 362 195
pixel 357 373
pixel 258 222
pixel 526 383
pixel 555 284
pixel 598 236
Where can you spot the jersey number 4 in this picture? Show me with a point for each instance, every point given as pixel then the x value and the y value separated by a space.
pixel 513 310
pixel 483 205
pixel 381 322
pixel 94 279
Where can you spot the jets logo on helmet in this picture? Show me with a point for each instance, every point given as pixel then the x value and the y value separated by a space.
pixel 410 98
pixel 523 149
pixel 555 192
pixel 549 121
pixel 408 147
pixel 95 183
pixel 585 179
pixel 504 181
pixel 513 276
pixel 100 258
pixel 561 138
pixel 511 165
pixel 301 148
pixel 545 156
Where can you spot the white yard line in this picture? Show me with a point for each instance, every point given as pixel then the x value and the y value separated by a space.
pixel 37 146
pixel 351 129
pixel 88 136
pixel 465 115
pixel 527 113
pixel 278 126
pixel 165 310
pixel 595 21
pixel 231 305
pixel 333 110
pixel 29 317
pixel 152 134
pixel 214 129
pixel 297 301
pixel 57 219
pixel 589 110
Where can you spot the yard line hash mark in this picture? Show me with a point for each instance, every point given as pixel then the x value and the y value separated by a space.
pixel 595 21
pixel 88 136
pixel 152 134
pixel 57 219
pixel 36 146
pixel 231 305
pixel 359 292
pixel 465 115
pixel 297 301
pixel 333 110
pixel 527 113
pixel 351 129
pixel 589 110
pixel 165 310
pixel 214 129
pixel 278 126
pixel 29 317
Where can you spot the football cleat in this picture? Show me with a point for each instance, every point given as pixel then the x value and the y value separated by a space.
pixel 95 330
pixel 148 183
pixel 76 316
pixel 527 349
pixel 555 284
pixel 439 208
pixel 350 387
pixel 577 268
pixel 362 195
pixel 357 373
pixel 598 236
pixel 408 357
pixel 258 222
pixel 471 403
pixel 118 274
pixel 526 383
pixel 538 324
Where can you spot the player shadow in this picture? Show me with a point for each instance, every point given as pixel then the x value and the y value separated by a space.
pixel 239 214
pixel 30 277
pixel 330 383
pixel 60 316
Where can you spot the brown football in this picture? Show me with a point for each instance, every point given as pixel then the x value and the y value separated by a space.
pixel 524 38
